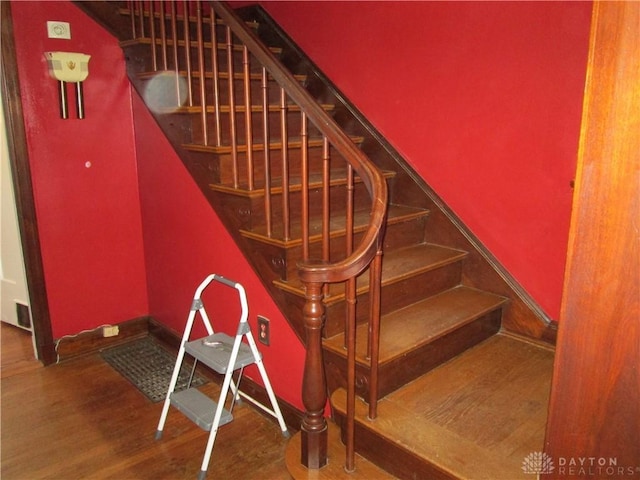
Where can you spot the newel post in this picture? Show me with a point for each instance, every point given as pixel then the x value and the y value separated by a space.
pixel 314 385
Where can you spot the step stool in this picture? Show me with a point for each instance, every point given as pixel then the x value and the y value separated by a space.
pixel 225 355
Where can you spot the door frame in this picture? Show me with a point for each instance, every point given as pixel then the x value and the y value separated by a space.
pixel 23 188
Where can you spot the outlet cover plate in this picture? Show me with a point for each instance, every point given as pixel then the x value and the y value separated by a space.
pixel 264 332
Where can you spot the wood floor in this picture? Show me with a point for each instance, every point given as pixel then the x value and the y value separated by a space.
pixel 476 417
pixel 82 420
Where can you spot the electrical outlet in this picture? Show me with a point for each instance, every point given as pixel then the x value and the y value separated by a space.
pixel 264 332
pixel 59 30
pixel 110 331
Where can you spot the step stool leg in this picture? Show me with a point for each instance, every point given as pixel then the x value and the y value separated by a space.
pixel 267 384
pixel 224 390
pixel 176 370
pixel 167 400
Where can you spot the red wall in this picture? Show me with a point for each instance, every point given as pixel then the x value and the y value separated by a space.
pixel 184 242
pixel 487 109
pixel 88 216
pixel 488 113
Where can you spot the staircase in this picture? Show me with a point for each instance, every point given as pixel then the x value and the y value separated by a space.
pixel 396 301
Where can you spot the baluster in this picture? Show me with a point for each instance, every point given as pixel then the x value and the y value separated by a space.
pixel 267 151
pixel 326 208
pixel 349 235
pixel 285 165
pixel 314 384
pixel 152 30
pixel 232 108
pixel 187 50
pixel 350 331
pixel 132 14
pixel 247 114
pixel 375 280
pixel 141 18
pixel 163 36
pixel 304 172
pixel 174 39
pixel 201 73
pixel 350 345
pixel 216 76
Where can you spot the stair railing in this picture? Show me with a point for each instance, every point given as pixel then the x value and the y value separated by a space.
pixel 316 275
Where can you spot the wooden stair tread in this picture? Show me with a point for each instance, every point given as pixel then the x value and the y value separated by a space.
pixel 422 322
pixel 337 178
pixel 397 265
pixel 476 417
pixel 395 214
pixel 276 144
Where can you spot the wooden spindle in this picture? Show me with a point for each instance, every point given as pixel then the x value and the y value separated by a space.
pixel 232 108
pixel 187 50
pixel 152 33
pixel 314 384
pixel 326 200
pixel 375 283
pixel 349 234
pixel 163 36
pixel 201 74
pixel 267 151
pixel 350 345
pixel 304 172
pixel 285 165
pixel 132 14
pixel 174 39
pixel 141 29
pixel 215 67
pixel 246 80
pixel 350 330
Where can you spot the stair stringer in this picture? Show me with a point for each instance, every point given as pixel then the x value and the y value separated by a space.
pixel 522 316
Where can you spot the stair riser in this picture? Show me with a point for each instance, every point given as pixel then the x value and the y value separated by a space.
pixel 400 371
pixel 390 456
pixel 221 165
pixel 255 89
pixel 284 260
pixel 394 296
pixel 147 65
pixel 257 133
pixel 337 196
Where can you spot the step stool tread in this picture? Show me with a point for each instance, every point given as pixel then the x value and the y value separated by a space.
pixel 199 408
pixel 217 353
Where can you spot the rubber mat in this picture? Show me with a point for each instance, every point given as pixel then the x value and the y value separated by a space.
pixel 148 367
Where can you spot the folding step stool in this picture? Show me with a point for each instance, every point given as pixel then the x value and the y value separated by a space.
pixel 225 355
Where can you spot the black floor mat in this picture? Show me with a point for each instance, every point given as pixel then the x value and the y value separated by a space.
pixel 148 367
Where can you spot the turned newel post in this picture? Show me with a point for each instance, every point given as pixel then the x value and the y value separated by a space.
pixel 314 385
